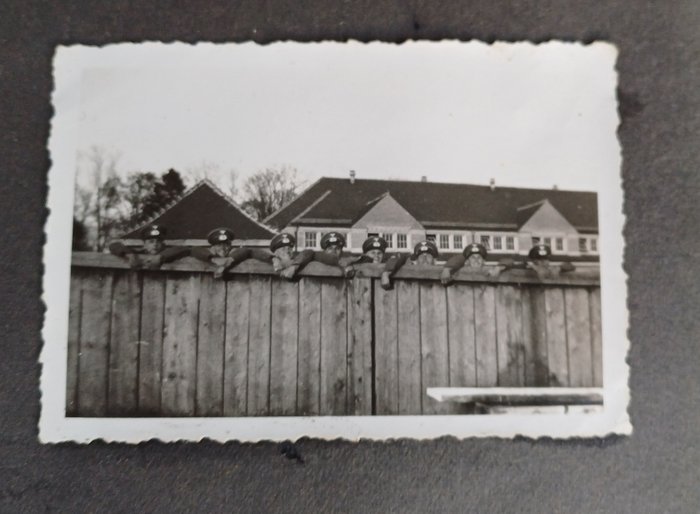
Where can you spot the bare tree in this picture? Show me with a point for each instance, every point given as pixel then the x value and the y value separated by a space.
pixel 212 171
pixel 98 203
pixel 268 189
pixel 233 191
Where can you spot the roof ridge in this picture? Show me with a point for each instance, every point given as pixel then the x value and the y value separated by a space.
pixel 313 204
pixel 169 205
pixel 233 203
pixel 291 201
pixel 485 186
pixel 200 183
pixel 539 202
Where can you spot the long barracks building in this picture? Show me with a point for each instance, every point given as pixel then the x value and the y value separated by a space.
pixel 507 220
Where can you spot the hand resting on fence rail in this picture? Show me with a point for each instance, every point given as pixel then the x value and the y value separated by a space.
pixel 579 277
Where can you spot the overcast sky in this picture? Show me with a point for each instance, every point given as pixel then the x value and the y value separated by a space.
pixel 522 114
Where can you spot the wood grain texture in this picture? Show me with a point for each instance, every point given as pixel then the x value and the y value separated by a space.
pixel 180 345
pixel 73 343
pixel 210 346
pixel 124 344
pixel 555 321
pixel 154 343
pixel 596 337
pixel 536 358
pixel 334 370
pixel 578 337
pixel 94 343
pixel 485 336
pixel 386 350
pixel 509 337
pixel 410 389
pixel 259 346
pixel 283 348
pixel 359 347
pixel 434 346
pixel 461 327
pixel 151 343
pixel 309 348
pixel 236 347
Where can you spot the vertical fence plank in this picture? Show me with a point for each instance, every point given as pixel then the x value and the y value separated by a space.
pixel 578 337
pixel 410 390
pixel 210 346
pixel 94 343
pixel 259 347
pixel 151 343
pixel 236 346
pixel 509 337
pixel 309 349
pixel 360 347
pixel 596 337
pixel 73 347
pixel 557 355
pixel 485 336
pixel 536 358
pixel 283 352
pixel 386 350
pixel 124 344
pixel 435 370
pixel 460 320
pixel 180 344
pixel 334 371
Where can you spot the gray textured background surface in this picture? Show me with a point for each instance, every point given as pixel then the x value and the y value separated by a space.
pixel 655 470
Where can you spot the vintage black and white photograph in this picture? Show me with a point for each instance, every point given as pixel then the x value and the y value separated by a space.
pixel 334 240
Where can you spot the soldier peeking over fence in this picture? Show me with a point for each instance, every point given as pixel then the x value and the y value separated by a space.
pixel 152 253
pixel 374 251
pixel 538 260
pixel 425 253
pixel 472 260
pixel 223 255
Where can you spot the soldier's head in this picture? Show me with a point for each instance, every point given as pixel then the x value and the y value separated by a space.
pixel 153 239
pixel 333 243
pixel 374 248
pixel 425 252
pixel 475 254
pixel 221 240
pixel 540 253
pixel 282 245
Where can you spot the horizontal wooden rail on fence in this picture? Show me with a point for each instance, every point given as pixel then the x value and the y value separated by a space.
pixel 585 277
pixel 177 342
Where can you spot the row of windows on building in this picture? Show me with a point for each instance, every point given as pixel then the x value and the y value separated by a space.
pixel 495 242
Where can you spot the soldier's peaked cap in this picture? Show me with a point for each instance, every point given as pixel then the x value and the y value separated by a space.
pixel 220 235
pixel 473 248
pixel 374 243
pixel 153 232
pixel 540 251
pixel 426 247
pixel 332 238
pixel 281 240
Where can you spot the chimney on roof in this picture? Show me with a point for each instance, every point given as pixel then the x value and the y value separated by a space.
pixel 424 178
pixel 352 176
pixel 492 184
pixel 555 187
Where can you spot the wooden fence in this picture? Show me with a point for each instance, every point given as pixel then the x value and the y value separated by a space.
pixel 177 342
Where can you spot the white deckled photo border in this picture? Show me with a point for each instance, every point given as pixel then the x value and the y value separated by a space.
pixel 55 426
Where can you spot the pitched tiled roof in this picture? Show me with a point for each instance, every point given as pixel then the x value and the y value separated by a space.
pixel 201 209
pixel 434 204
